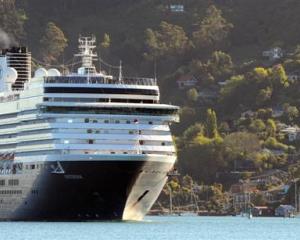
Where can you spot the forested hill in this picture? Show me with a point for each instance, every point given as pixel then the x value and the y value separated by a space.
pixel 257 24
pixel 241 57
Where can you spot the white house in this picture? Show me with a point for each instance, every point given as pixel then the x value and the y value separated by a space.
pixel 273 54
pixel 247 114
pixel 177 8
pixel 293 133
pixel 284 211
pixel 294 76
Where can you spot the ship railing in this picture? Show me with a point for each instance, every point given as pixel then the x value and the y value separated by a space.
pixel 101 80
pixel 10 98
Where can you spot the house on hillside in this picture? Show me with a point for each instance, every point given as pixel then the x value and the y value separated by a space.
pixel 284 211
pixel 223 83
pixel 208 93
pixel 186 81
pixel 294 76
pixel 273 54
pixel 176 8
pixel 262 211
pixel 241 194
pixel 293 133
pixel 277 112
pixel 247 114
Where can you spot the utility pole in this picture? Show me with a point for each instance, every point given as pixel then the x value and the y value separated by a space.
pixel 171 204
pixel 296 201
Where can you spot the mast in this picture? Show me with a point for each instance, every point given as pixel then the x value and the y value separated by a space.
pixel 296 201
pixel 86 52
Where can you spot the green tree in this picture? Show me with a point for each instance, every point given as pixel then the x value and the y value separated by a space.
pixel 169 40
pixel 264 113
pixel 279 77
pixel 192 95
pixel 271 127
pixel 241 145
pixel 192 132
pixel 106 41
pixel 264 96
pixel 291 113
pixel 257 126
pixel 211 126
pixel 11 23
pixel 53 43
pixel 213 30
pixel 220 65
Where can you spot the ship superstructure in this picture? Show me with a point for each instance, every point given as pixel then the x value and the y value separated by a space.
pixel 80 146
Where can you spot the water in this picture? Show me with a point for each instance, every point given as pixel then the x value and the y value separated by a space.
pixel 158 228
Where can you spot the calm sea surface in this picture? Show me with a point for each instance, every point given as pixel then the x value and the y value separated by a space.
pixel 157 228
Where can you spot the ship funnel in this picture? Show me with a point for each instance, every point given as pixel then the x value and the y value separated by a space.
pixel 20 59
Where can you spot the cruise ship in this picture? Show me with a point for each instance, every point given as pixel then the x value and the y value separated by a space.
pixel 80 146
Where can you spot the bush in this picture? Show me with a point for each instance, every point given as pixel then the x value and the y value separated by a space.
pixel 272 143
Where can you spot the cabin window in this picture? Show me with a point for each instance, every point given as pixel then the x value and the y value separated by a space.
pixel 117 121
pixel 86 120
pixel 2 182
pixel 141 142
pixel 90 141
pixel 128 122
pixel 89 131
pixel 163 143
pixel 150 123
pixel 13 182
pixel 95 121
pixel 106 121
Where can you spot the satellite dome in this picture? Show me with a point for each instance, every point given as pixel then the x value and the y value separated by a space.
pixel 40 73
pixel 53 72
pixel 10 75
